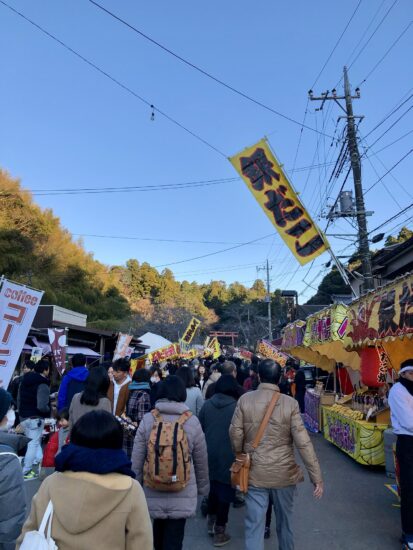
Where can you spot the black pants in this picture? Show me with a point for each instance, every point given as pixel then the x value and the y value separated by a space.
pixel 218 508
pixel 300 397
pixel 268 515
pixel 168 534
pixel 404 452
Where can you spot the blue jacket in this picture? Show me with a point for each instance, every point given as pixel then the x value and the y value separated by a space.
pixel 73 382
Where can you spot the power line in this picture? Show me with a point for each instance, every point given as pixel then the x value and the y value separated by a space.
pixel 386 53
pixel 373 153
pixel 392 126
pixel 197 68
pixel 150 239
pixel 373 33
pixel 337 43
pixel 214 253
pixel 392 218
pixel 372 20
pixel 390 170
pixel 134 188
pixel 394 110
pixel 114 80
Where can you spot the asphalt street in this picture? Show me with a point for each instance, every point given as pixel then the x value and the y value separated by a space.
pixel 357 511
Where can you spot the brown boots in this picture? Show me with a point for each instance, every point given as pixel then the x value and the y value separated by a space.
pixel 220 537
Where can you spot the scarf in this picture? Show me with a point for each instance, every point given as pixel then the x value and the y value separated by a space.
pixel 96 461
pixel 139 386
pixel 408 384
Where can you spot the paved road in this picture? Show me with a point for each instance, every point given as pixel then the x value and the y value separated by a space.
pixel 357 511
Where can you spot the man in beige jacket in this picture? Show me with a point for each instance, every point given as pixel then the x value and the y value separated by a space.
pixel 274 471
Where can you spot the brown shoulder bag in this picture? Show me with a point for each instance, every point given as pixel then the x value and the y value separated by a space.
pixel 240 469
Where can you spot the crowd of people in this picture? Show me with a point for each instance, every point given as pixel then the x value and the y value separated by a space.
pixel 133 455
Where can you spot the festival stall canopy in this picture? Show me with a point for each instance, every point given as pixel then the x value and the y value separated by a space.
pixel 154 341
pixel 326 333
pixel 293 344
pixel 384 317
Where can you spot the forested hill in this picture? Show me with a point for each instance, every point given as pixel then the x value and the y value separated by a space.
pixel 36 250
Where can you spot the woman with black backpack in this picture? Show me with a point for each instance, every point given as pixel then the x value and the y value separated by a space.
pixel 138 404
pixel 169 458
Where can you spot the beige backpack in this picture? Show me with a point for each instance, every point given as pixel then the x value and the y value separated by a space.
pixel 168 461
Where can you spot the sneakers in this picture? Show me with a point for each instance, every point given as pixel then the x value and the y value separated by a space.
pixel 31 474
pixel 211 525
pixel 221 537
pixel 267 533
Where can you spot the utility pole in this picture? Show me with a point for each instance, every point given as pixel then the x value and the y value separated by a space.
pixel 268 298
pixel 360 213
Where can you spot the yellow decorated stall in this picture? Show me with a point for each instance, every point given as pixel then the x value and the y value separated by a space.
pixel 363 441
pixel 383 320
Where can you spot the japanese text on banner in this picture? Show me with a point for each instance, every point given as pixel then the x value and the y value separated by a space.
pixel 122 346
pixel 269 185
pixel 18 306
pixel 191 330
pixel 57 339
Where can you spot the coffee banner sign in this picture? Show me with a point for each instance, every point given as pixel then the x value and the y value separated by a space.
pixel 18 306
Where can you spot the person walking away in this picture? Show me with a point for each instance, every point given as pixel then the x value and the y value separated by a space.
pixel 34 407
pixel 186 471
pixel 73 381
pixel 227 367
pixel 401 407
pixel 139 403
pixel 300 389
pixel 201 376
pixel 12 494
pixel 57 439
pixel 215 373
pixel 273 467
pixel 194 399
pixel 251 383
pixel 96 501
pixel 14 385
pixel 118 392
pixel 156 378
pixel 93 397
pixel 215 418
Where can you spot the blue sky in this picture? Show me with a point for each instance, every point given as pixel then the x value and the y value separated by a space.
pixel 64 125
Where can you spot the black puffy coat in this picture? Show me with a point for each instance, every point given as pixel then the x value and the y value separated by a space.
pixel 215 417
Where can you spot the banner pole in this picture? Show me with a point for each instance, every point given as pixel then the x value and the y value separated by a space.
pixel 3 278
pixel 342 272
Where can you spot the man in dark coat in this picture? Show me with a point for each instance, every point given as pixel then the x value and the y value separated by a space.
pixel 34 407
pixel 215 417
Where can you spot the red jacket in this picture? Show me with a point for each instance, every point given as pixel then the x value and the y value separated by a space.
pixel 51 450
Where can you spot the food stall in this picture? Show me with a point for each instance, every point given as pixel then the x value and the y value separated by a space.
pixel 321 341
pixel 380 330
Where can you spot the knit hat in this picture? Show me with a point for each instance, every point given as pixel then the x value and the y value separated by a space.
pixel 5 402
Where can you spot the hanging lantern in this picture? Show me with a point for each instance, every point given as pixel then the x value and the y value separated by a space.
pixel 370 368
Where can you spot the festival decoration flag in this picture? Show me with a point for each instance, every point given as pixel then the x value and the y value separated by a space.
pixel 122 346
pixel 269 351
pixel 266 180
pixel 57 339
pixel 190 331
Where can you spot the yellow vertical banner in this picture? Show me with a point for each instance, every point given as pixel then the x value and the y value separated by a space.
pixel 215 347
pixel 266 180
pixel 190 330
